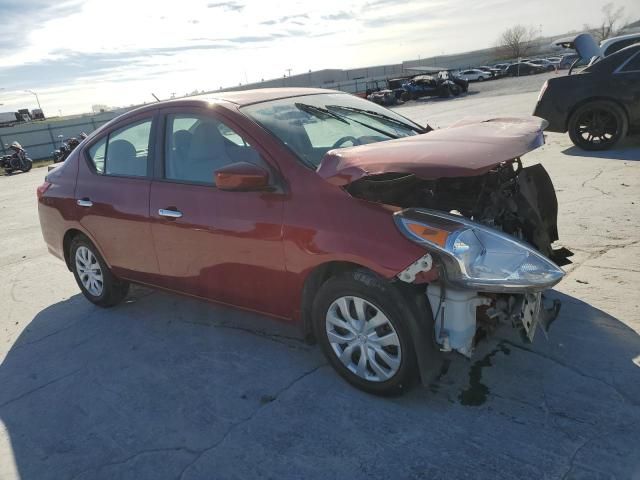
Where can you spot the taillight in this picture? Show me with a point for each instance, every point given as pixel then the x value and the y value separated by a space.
pixel 542 90
pixel 40 191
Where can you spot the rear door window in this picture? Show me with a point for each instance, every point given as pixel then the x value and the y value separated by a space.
pixel 124 152
pixel 632 65
pixel 128 150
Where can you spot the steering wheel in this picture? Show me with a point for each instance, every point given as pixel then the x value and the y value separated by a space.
pixel 346 139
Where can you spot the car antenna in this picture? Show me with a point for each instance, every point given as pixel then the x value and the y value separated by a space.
pixel 154 96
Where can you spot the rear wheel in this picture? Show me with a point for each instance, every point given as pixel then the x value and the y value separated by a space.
pixel 93 276
pixel 481 79
pixel 362 331
pixel 598 125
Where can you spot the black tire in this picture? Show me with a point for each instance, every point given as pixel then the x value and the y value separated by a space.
pixel 598 125
pixel 387 299
pixel 481 79
pixel 113 290
pixel 28 164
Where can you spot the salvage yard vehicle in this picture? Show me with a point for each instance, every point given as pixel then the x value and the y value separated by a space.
pixel 388 241
pixel 429 86
pixel 522 68
pixel 597 106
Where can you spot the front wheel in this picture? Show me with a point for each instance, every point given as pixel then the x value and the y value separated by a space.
pixel 93 276
pixel 27 163
pixel 597 125
pixel 360 325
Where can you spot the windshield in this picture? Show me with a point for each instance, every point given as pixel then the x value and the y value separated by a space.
pixel 311 125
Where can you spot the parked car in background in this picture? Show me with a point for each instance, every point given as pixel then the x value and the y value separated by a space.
pixel 597 106
pixel 429 86
pixel 567 60
pixel 494 72
pixel 523 68
pixel 474 75
pixel 460 82
pixel 606 47
pixel 614 44
pixel 251 199
pixel 543 63
pixel 384 97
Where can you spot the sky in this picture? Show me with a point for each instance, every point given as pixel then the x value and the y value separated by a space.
pixel 77 53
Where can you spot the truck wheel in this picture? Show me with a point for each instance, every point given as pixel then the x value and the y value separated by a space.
pixel 361 327
pixel 598 125
pixel 93 276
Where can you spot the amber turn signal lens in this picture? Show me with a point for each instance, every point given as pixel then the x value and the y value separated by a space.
pixel 433 235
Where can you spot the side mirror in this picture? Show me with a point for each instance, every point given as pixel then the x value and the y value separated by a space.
pixel 241 176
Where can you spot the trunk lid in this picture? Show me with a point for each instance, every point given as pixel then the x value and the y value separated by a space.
pixel 470 147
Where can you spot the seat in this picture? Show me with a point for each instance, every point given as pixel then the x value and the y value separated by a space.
pixel 207 154
pixel 178 156
pixel 122 159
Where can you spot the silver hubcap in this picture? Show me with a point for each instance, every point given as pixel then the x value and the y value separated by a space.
pixel 363 338
pixel 89 271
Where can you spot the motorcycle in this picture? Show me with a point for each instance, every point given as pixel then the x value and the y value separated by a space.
pixel 67 146
pixel 18 160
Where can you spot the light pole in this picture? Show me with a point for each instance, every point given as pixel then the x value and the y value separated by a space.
pixel 37 99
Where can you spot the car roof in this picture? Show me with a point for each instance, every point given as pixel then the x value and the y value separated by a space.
pixel 258 95
pixel 239 98
pixel 605 43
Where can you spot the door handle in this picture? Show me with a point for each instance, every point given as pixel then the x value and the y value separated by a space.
pixel 84 202
pixel 163 212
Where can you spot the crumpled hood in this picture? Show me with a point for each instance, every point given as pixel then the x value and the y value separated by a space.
pixel 468 148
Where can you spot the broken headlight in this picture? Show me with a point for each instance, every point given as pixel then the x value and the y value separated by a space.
pixel 478 257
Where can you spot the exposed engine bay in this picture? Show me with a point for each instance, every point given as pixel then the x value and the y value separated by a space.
pixel 519 201
pixel 515 200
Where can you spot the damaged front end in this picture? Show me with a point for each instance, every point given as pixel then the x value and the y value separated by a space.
pixel 487 223
pixel 481 277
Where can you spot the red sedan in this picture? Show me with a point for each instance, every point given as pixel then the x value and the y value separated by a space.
pixel 388 241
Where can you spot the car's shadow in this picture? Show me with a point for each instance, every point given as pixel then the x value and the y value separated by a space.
pixel 163 385
pixel 627 149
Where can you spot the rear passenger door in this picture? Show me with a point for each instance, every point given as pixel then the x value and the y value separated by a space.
pixel 112 197
pixel 221 245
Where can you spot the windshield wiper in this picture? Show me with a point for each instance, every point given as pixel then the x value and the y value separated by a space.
pixel 319 112
pixel 375 114
pixel 323 112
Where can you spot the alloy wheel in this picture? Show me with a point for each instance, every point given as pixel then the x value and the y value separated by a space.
pixel 89 271
pixel 363 339
pixel 597 126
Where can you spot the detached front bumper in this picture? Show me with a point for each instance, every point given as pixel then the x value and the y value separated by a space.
pixel 460 314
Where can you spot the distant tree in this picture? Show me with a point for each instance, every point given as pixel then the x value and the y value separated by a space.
pixel 612 24
pixel 516 41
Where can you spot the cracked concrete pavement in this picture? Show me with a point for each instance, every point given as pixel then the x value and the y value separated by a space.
pixel 168 387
